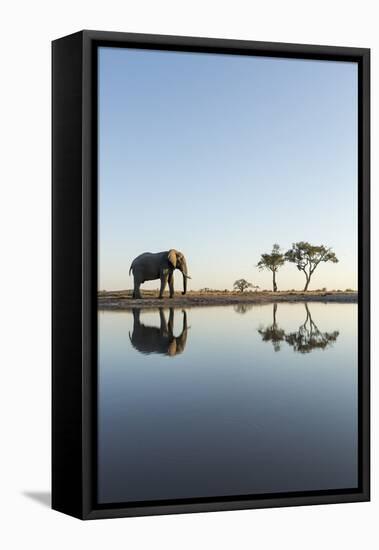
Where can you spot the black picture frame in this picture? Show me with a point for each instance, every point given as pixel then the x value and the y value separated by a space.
pixel 74 271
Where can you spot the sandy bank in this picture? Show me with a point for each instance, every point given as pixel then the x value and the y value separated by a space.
pixel 123 299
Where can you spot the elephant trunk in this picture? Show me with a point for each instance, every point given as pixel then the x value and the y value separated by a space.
pixel 185 276
pixel 184 283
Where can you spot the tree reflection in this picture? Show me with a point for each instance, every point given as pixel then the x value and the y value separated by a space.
pixel 149 339
pixel 309 337
pixel 306 339
pixel 242 308
pixel 273 333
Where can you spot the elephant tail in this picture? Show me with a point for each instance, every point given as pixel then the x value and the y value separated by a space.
pixel 130 269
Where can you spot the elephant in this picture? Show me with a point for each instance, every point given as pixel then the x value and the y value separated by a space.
pixel 147 339
pixel 161 265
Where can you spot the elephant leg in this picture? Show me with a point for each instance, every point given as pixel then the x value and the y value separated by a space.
pixel 136 291
pixel 163 327
pixel 171 284
pixel 136 316
pixel 171 322
pixel 164 278
pixel 172 340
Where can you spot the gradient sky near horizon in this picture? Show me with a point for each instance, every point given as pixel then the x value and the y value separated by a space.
pixel 221 156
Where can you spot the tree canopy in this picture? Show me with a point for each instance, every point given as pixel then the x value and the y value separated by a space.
pixel 242 284
pixel 307 257
pixel 272 262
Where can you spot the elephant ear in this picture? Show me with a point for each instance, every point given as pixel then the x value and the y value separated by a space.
pixel 172 258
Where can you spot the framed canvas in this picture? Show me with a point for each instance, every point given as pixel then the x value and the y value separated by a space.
pixel 238 172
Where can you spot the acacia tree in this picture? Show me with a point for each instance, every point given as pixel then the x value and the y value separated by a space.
pixel 307 257
pixel 242 284
pixel 272 262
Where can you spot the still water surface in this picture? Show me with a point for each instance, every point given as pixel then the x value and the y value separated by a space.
pixel 233 400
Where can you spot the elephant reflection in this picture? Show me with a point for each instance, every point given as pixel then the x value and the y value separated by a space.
pixel 306 339
pixel 147 339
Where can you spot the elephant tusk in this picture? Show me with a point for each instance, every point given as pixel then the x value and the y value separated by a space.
pixel 187 276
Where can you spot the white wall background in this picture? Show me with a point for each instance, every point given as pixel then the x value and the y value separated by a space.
pixel 26 31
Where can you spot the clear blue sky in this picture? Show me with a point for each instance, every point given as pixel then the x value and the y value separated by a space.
pixel 222 156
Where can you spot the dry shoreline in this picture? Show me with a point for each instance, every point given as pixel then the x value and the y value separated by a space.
pixel 119 300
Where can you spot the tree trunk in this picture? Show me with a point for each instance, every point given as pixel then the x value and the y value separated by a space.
pixel 307 283
pixel 274 287
pixel 274 310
